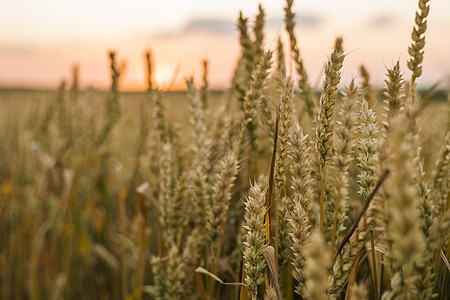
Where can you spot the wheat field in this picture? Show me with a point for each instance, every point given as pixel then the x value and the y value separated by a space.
pixel 271 189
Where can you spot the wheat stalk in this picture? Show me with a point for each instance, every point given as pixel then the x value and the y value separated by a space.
pixel 324 135
pixel 255 238
pixel 418 44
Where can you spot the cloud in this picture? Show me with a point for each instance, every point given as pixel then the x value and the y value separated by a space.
pixel 382 21
pixel 210 25
pixel 217 26
pixel 225 27
pixel 300 21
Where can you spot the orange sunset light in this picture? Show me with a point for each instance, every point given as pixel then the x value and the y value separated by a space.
pixel 41 40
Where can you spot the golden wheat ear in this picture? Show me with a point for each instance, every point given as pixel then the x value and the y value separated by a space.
pixel 255 244
pixel 418 44
pixel 325 128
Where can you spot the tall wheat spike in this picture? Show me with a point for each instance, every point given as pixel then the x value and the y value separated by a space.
pixel 324 135
pixel 255 238
pixel 418 44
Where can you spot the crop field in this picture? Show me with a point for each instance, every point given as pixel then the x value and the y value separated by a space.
pixel 271 189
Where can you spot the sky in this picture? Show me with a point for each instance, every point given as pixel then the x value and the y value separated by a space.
pixel 41 40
